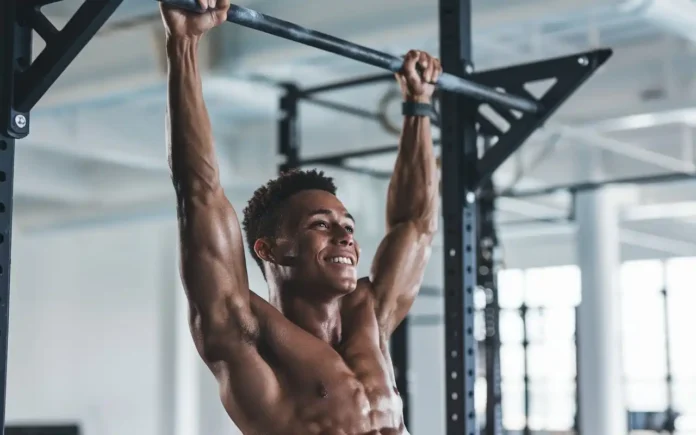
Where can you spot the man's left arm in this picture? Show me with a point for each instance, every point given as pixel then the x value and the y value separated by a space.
pixel 412 203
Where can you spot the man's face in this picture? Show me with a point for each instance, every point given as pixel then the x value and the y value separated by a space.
pixel 315 244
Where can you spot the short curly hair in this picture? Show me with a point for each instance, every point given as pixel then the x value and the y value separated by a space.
pixel 261 215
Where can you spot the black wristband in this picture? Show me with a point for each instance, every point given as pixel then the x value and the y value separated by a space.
pixel 411 108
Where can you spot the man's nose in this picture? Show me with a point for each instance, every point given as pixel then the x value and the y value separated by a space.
pixel 343 237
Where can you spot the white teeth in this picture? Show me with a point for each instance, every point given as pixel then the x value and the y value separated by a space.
pixel 343 260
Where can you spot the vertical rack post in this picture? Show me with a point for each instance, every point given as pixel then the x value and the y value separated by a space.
pixel 15 51
pixel 23 81
pixel 289 129
pixel 487 275
pixel 459 206
pixel 7 147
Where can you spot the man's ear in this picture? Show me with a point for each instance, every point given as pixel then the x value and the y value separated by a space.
pixel 262 248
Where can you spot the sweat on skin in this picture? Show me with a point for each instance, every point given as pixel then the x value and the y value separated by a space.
pixel 314 359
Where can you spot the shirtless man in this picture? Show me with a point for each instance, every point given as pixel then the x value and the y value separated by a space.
pixel 315 358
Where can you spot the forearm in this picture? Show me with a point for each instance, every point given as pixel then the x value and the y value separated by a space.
pixel 190 140
pixel 413 190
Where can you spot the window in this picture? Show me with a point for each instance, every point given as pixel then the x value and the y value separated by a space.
pixel 657 302
pixel 680 277
pixel 642 318
pixel 539 306
pixel 541 303
pixel 681 285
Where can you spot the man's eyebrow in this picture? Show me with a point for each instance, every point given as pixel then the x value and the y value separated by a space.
pixel 324 211
pixel 321 211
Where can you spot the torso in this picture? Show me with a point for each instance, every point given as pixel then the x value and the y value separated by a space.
pixel 349 389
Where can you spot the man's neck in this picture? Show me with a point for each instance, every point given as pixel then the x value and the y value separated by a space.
pixel 320 318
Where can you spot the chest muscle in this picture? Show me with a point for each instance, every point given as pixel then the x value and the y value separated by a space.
pixel 351 385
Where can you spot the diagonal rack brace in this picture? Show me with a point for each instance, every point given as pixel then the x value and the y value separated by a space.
pixel 30 80
pixel 568 72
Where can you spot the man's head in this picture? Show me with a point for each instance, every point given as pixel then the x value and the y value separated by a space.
pixel 298 231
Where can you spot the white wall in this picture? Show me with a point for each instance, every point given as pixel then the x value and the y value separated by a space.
pixel 98 331
pixel 86 327
pixel 99 336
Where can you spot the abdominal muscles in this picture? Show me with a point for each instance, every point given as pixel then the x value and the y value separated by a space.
pixel 349 407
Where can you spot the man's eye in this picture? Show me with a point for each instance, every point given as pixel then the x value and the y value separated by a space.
pixel 321 224
pixel 350 229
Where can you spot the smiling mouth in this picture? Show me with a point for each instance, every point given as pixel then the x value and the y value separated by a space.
pixel 341 260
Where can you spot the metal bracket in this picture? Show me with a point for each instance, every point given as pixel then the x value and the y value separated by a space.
pixel 512 128
pixel 24 81
pixel 15 55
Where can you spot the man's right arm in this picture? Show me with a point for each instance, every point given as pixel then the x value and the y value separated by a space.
pixel 212 251
pixel 223 324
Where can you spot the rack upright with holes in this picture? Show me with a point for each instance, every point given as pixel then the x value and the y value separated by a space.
pixel 460 210
pixel 23 81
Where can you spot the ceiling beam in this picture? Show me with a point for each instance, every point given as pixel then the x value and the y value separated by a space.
pixel 630 237
pixel 658 243
pixel 593 139
pixel 646 212
pixel 647 119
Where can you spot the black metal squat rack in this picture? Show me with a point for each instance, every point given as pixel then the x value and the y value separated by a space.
pixel 465 169
pixel 467 193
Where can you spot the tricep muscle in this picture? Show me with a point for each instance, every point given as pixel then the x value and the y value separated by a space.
pixel 214 272
pixel 397 272
pixel 223 323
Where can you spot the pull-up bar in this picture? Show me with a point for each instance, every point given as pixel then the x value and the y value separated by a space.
pixel 283 29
